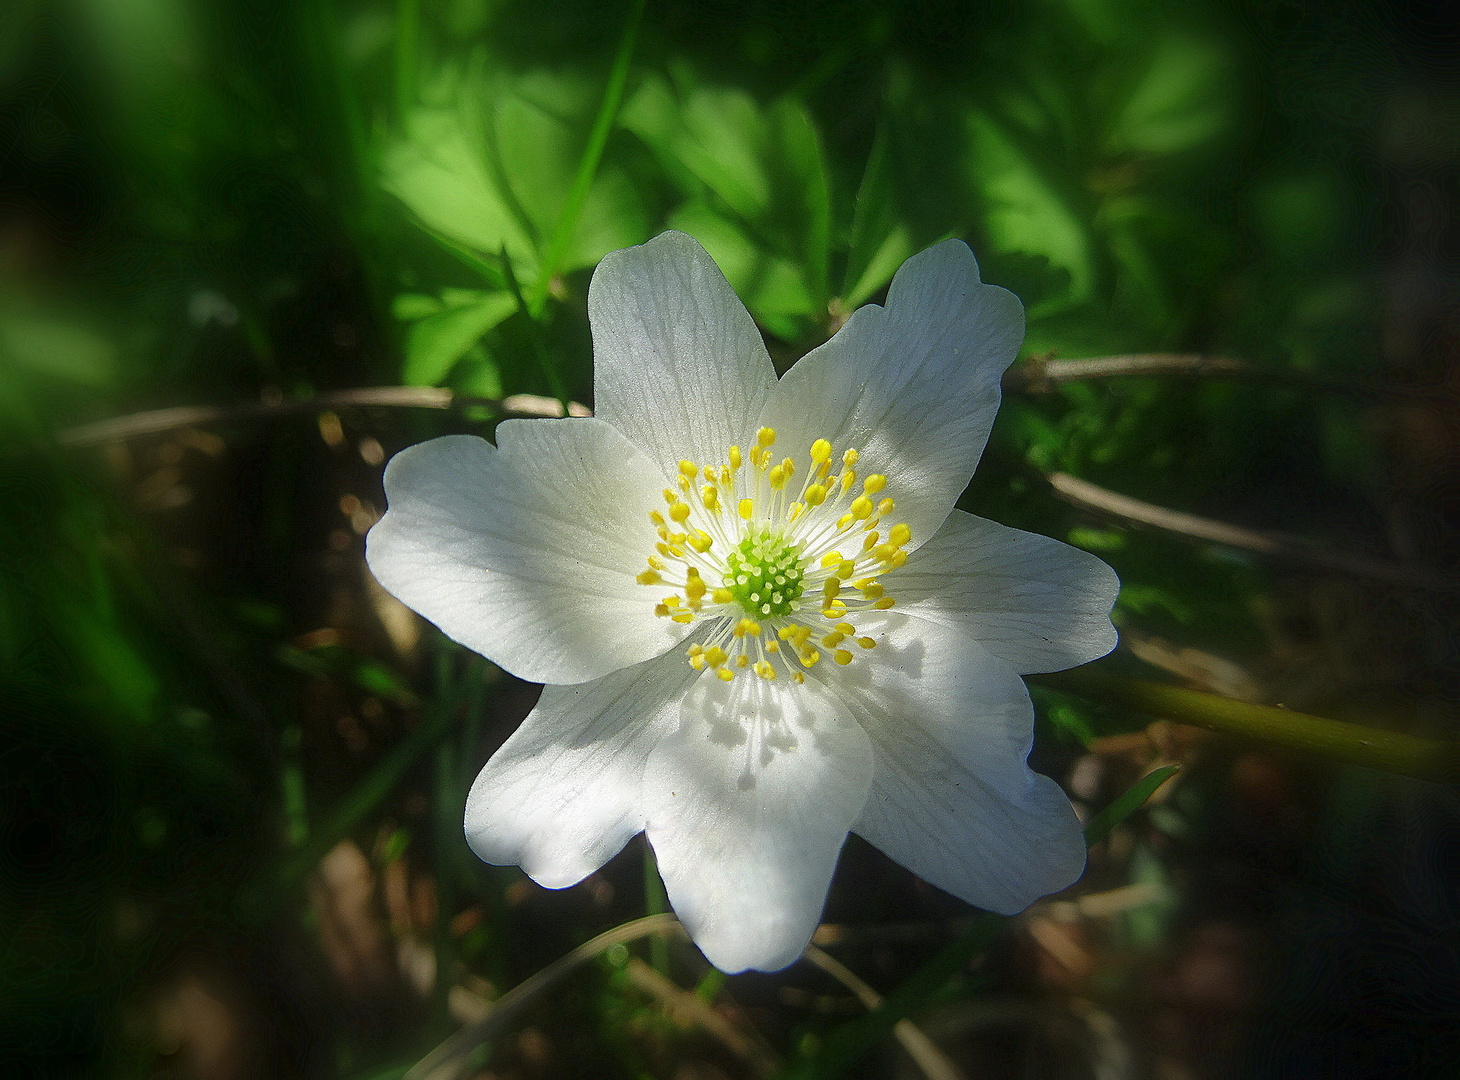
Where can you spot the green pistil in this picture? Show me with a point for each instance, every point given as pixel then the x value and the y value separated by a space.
pixel 764 574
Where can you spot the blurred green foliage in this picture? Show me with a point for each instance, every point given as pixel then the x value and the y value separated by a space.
pixel 209 201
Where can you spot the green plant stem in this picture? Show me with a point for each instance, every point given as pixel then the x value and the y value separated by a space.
pixel 613 95
pixel 1337 740
pixel 656 902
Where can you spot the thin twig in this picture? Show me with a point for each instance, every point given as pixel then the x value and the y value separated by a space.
pixel 452 1059
pixel 926 1053
pixel 1034 376
pixel 156 421
pixel 1275 545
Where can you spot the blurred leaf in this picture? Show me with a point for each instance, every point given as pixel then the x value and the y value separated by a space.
pixel 490 162
pixel 757 191
pixel 1185 97
pixel 436 342
pixel 1023 212
pixel 880 242
pixel 1102 824
pixel 56 348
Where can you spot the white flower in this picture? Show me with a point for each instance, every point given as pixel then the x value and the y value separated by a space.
pixel 761 621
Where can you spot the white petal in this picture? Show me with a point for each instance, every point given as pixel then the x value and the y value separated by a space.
pixel 1037 604
pixel 913 386
pixel 562 795
pixel 679 366
pixel 527 552
pixel 749 803
pixel 953 798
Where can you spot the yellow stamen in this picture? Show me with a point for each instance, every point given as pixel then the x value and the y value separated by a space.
pixel 679 511
pixel 867 643
pixel 691 470
pixel 885 603
pixel 747 508
pixel 872 485
pixel 735 459
pixel 820 451
pixel 815 495
pixel 724 674
pixel 722 596
pixel 765 436
pixel 899 535
pixel 648 577
pixel 842 657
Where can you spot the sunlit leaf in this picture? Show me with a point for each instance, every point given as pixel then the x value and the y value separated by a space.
pixel 1023 210
pixel 1185 97
pixel 435 343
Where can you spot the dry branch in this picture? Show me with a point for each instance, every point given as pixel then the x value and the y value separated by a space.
pixel 1277 545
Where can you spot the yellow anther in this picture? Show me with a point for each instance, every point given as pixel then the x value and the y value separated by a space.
pixel 799 677
pixel 694 588
pixel 777 477
pixel 834 611
pixel 742 660
pixel 747 508
pixel 872 485
pixel 785 633
pixel 716 656
pixel 765 671
pixel 679 511
pixel 722 596
pixel 850 458
pixel 845 520
pixel 842 657
pixel 885 603
pixel 832 587
pixel 899 535
pixel 820 451
pixel 683 483
pixel 869 541
pixel 833 639
pixel 872 590
pixel 846 628
pixel 789 466
pixel 694 650
pixel 725 475
pixel 815 495
pixel 796 511
pixel 710 497
pixel 697 662
pixel 671 602
pixel 724 674
pixel 866 643
pixel 671 496
pixel 897 560
pixel 655 563
pixel 885 551
pixel 765 436
pixel 849 477
pixel 809 658
pixel 691 470
pixel 747 626
pixel 648 577
pixel 885 507
pixel 735 459
pixel 700 540
pixel 846 569
pixel 861 508
pixel 772 646
pixel 831 558
pixel 683 617
pixel 661 611
pixel 657 518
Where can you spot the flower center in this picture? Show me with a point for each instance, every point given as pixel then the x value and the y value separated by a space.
pixel 789 558
pixel 764 574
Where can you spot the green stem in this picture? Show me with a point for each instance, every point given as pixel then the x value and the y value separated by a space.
pixel 1338 740
pixel 613 95
pixel 656 902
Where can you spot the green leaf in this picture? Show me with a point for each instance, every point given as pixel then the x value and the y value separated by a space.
pixel 57 348
pixel 1102 824
pixel 1024 212
pixel 435 343
pixel 1186 97
pixel 880 242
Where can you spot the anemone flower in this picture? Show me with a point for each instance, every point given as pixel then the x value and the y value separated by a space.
pixel 761 622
